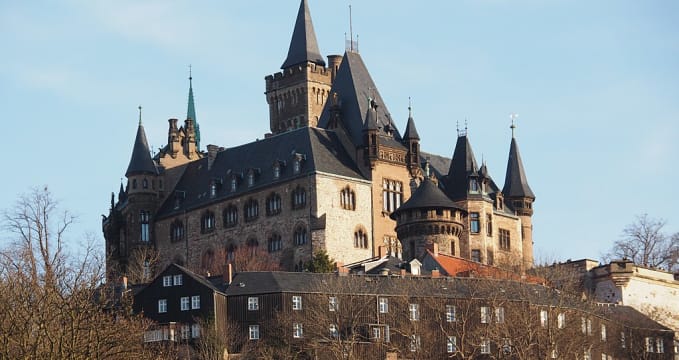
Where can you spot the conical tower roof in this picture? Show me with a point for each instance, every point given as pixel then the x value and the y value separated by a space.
pixel 141 162
pixel 411 131
pixel 516 184
pixel 462 166
pixel 427 196
pixel 371 117
pixel 303 46
pixel 191 112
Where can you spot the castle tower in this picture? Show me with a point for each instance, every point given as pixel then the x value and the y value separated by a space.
pixel 191 112
pixel 370 141
pixel 411 139
pixel 520 197
pixel 296 95
pixel 429 217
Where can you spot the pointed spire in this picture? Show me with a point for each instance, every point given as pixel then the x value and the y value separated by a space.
pixel 303 45
pixel 462 166
pixel 516 184
pixel 141 161
pixel 191 110
pixel 411 131
pixel 371 117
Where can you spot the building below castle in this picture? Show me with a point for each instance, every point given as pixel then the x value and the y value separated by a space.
pixel 334 174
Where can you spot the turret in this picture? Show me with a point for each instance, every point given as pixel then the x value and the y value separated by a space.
pixel 462 181
pixel 173 141
pixel 190 148
pixel 370 130
pixel 141 172
pixel 411 139
pixel 520 197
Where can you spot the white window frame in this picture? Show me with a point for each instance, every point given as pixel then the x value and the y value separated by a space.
pixel 603 332
pixel 253 332
pixel 451 344
pixel 334 331
pixel 297 330
pixel 296 302
pixel 332 303
pixel 184 303
pixel 162 306
pixel 485 314
pixel 177 280
pixel 414 312
pixel 451 313
pixel 383 305
pixel 561 320
pixel 485 346
pixel 195 331
pixel 500 315
pixel 253 303
pixel 195 302
pixel 185 331
pixel 659 345
pixel 544 318
pixel 415 342
pixel 167 281
pixel 649 344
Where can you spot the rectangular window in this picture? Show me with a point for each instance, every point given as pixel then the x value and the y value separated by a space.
pixel 451 344
pixel 504 239
pixel 649 344
pixel 659 346
pixel 334 333
pixel 184 303
pixel 254 332
pixel 144 219
pixel 379 332
pixel 297 331
pixel 177 280
pixel 415 343
pixel 185 331
pixel 544 318
pixel 253 303
pixel 332 303
pixel 195 302
pixel 587 355
pixel 392 195
pixel 296 302
pixel 195 331
pixel 561 320
pixel 485 314
pixel 485 346
pixel 476 255
pixel 474 223
pixel 603 332
pixel 162 306
pixel 622 340
pixel 167 281
pixel 499 315
pixel 450 313
pixel 414 310
pixel 384 305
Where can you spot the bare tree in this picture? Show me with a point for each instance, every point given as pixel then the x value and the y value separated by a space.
pixel 645 243
pixel 52 305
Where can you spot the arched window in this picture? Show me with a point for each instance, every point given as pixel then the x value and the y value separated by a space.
pixel 234 184
pixel 298 198
pixel 251 210
pixel 207 222
pixel 276 171
pixel 230 216
pixel 145 184
pixel 273 204
pixel 275 243
pixel 230 253
pixel 145 228
pixel 134 183
pixel 176 230
pixel 252 244
pixel 392 193
pixel 360 239
pixel 348 199
pixel 300 236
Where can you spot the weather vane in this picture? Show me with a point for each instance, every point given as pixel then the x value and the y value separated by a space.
pixel 513 116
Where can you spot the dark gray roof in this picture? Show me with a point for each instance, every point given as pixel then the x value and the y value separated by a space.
pixel 303 45
pixel 462 166
pixel 319 149
pixel 411 131
pixel 437 163
pixel 355 88
pixel 516 184
pixel 427 196
pixel 371 117
pixel 141 162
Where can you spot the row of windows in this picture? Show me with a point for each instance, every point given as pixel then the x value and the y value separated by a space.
pixel 253 174
pixel 168 334
pixel 172 280
pixel 392 195
pixel 185 304
pixel 475 228
pixel 145 184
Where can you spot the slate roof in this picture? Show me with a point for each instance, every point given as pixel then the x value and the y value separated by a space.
pixel 320 149
pixel 303 45
pixel 427 196
pixel 411 131
pixel 141 162
pixel 516 184
pixel 355 88
pixel 462 166
pixel 437 163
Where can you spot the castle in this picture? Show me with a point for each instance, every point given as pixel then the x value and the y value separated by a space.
pixel 334 174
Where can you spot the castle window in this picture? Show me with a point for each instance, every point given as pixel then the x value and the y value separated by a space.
pixel 145 184
pixel 176 230
pixel 207 261
pixel 473 186
pixel 476 255
pixel 504 239
pixel 251 210
pixel 273 204
pixel 230 216
pixel 392 193
pixel 230 253
pixel 276 171
pixel 489 226
pixel 348 199
pixel 360 239
pixel 252 244
pixel 207 222
pixel 275 243
pixel 251 179
pixel 213 189
pixel 300 236
pixel 145 228
pixel 474 223
pixel 296 166
pixel 234 184
pixel 134 183
pixel 298 198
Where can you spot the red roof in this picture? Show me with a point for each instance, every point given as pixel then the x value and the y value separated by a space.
pixel 459 267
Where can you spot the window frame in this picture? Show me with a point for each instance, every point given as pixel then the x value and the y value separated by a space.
pixel 296 302
pixel 184 303
pixel 253 303
pixel 162 306
pixel 253 332
pixel 195 302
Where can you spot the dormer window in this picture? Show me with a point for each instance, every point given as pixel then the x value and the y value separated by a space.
pixel 296 166
pixel 251 179
pixel 178 198
pixel 473 186
pixel 276 172
pixel 234 184
pixel 213 189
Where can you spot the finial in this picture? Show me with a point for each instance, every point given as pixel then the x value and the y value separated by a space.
pixel 410 107
pixel 140 115
pixel 457 127
pixel 351 31
pixel 513 116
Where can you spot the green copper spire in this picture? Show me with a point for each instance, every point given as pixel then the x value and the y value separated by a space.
pixel 191 110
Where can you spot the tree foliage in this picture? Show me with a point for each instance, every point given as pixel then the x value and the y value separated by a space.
pixel 647 244
pixel 52 304
pixel 321 263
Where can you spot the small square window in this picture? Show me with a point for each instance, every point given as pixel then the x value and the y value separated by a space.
pixel 253 303
pixel 195 302
pixel 177 280
pixel 167 281
pixel 485 346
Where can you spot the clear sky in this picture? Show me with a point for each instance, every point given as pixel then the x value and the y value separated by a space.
pixel 595 84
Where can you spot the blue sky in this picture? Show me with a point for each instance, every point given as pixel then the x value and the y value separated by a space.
pixel 595 84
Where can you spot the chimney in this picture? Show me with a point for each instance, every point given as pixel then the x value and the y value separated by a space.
pixel 334 62
pixel 228 274
pixel 434 248
pixel 403 272
pixel 341 270
pixel 212 151
pixel 435 274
